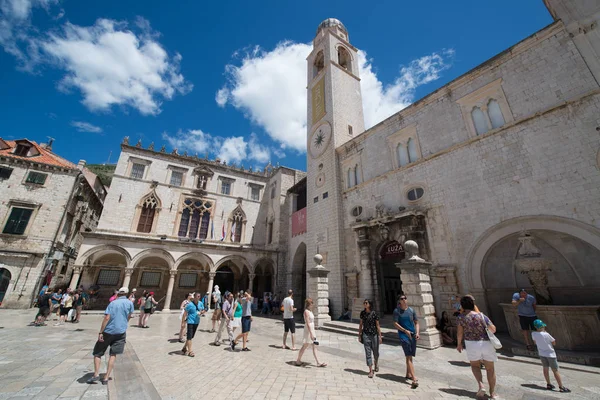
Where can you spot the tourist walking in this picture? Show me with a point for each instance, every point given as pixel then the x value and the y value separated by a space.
pixel 56 299
pixel 193 310
pixel 44 305
pixel 545 345
pixel 65 306
pixel 149 304
pixel 80 301
pixel 237 313
pixel 226 316
pixel 369 334
pixel 525 304
pixel 407 323
pixel 141 303
pixel 183 322
pixel 246 321
pixel 310 337
pixel 132 296
pixel 216 299
pixel 472 328
pixel 112 334
pixel 288 320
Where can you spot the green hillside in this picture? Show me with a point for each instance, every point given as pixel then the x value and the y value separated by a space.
pixel 104 171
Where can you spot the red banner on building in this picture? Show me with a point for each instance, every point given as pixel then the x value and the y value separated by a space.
pixel 299 222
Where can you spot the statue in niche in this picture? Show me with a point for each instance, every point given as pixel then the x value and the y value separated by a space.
pixel 384 231
pixel 381 211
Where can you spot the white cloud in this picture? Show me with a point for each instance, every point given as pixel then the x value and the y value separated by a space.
pixel 111 65
pixel 270 88
pixel 86 127
pixel 233 149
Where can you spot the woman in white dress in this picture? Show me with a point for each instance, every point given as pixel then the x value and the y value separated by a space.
pixel 310 337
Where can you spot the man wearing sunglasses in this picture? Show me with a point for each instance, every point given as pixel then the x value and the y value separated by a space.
pixel 407 323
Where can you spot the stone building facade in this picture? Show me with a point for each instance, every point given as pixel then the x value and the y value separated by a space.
pixel 175 224
pixel 46 202
pixel 509 147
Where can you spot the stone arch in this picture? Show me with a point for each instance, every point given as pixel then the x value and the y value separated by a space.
pixel 6 276
pixel 477 253
pixel 344 58
pixel 97 252
pixel 264 276
pixel 159 253
pixel 238 269
pixel 203 258
pixel 238 261
pixel 319 63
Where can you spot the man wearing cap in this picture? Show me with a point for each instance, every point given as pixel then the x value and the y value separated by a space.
pixel 112 333
pixel 525 304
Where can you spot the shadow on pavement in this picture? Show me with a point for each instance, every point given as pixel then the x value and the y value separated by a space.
pixel 534 386
pixel 84 378
pixel 460 363
pixel 293 364
pixel 173 340
pixel 356 371
pixel 175 353
pixel 459 392
pixel 394 378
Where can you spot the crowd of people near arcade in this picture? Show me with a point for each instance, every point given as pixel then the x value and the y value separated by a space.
pixel 469 329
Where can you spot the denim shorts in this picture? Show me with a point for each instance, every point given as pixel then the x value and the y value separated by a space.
pixel 409 346
pixel 246 324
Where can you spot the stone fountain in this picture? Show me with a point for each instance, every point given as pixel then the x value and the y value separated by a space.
pixel 575 327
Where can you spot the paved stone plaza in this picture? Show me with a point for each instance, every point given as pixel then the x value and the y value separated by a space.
pixel 54 362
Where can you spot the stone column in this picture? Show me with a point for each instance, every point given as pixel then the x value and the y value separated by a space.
pixel 251 282
pixel 365 282
pixel 211 282
pixel 416 284
pixel 127 279
pixel 172 274
pixel 75 278
pixel 318 288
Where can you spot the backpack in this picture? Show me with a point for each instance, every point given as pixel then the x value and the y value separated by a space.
pixel 148 303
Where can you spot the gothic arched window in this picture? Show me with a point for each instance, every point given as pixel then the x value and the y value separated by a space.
pixel 412 150
pixel 195 218
pixel 402 155
pixel 344 59
pixel 147 214
pixel 237 221
pixel 495 114
pixel 479 121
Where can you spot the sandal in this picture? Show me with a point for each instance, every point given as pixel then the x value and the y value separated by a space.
pixel 298 363
pixel 191 354
pixel 322 365
pixel 371 374
pixel 563 389
pixel 550 386
pixel 408 378
pixel 376 369
pixel 414 385
pixel 284 347
pixel 480 393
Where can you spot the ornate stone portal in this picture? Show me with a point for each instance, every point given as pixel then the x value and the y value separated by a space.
pixel 416 284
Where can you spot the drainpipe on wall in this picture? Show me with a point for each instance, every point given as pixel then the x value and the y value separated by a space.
pixel 58 229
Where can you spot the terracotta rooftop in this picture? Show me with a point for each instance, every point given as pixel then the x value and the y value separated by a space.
pixel 41 155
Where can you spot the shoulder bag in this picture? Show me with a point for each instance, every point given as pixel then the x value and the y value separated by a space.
pixel 493 339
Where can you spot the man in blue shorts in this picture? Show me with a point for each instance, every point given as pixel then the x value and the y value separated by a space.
pixel 525 304
pixel 112 334
pixel 407 323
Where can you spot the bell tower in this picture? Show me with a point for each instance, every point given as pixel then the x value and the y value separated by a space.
pixel 335 115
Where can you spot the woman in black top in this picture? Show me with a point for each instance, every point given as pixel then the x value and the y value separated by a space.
pixel 369 334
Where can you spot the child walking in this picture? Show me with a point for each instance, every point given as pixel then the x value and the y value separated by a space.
pixel 545 345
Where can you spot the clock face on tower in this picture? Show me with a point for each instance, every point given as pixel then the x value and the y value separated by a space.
pixel 319 140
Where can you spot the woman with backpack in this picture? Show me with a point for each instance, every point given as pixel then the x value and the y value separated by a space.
pixel 148 305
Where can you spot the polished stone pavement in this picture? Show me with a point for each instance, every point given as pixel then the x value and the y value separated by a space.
pixel 54 362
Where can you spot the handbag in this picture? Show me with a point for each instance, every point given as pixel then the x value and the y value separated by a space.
pixel 493 339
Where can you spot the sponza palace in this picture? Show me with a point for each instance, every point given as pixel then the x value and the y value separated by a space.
pixel 507 150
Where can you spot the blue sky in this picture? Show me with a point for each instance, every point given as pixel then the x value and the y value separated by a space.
pixel 224 78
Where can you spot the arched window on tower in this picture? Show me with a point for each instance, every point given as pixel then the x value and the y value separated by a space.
pixel 147 213
pixel 412 150
pixel 319 63
pixel 495 114
pixel 402 155
pixel 479 121
pixel 344 59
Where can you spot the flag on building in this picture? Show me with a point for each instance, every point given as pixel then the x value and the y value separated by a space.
pixel 223 233
pixel 233 232
pixel 212 230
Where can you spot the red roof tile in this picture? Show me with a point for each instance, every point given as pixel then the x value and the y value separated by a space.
pixel 44 157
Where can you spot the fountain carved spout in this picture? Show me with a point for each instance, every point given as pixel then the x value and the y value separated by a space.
pixel 530 262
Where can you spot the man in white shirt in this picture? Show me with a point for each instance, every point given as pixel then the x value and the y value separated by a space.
pixel 288 319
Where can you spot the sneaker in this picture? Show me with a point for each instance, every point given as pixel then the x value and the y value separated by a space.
pixel 217 343
pixel 93 379
pixel 550 386
pixel 233 345
pixel 563 389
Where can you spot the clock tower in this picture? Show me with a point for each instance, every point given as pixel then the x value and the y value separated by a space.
pixel 335 115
